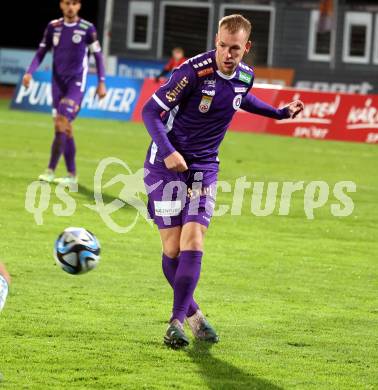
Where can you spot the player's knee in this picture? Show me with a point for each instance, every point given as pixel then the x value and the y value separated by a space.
pixel 171 250
pixel 61 124
pixel 69 131
pixel 192 243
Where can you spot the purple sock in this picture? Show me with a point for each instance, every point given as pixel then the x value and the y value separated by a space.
pixel 69 156
pixel 186 279
pixel 57 148
pixel 169 269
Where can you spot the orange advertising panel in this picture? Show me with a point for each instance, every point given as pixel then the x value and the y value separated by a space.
pixel 277 76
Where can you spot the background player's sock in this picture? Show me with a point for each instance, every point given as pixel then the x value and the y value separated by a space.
pixel 57 148
pixel 69 156
pixel 169 266
pixel 186 279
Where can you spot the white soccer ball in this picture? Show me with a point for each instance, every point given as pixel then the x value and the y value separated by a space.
pixel 77 250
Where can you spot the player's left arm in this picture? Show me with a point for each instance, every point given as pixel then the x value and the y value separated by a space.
pixel 252 104
pixel 95 49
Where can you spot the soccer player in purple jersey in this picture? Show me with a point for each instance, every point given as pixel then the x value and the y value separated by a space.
pixel 70 38
pixel 4 283
pixel 198 103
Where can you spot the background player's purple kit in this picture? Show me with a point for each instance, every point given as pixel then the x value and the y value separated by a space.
pixel 70 43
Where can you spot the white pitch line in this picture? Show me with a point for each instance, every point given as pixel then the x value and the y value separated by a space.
pixel 23 123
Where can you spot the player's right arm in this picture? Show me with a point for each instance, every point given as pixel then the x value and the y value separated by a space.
pixel 168 96
pixel 43 48
pixel 4 283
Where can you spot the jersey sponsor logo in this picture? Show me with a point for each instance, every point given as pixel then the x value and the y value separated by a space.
pixel 210 82
pixel 76 38
pixel 205 72
pixel 84 26
pixel 205 104
pixel 81 32
pixel 56 38
pixel 166 208
pixel 245 77
pixel 237 102
pixel 208 92
pixel 172 94
pixel 241 89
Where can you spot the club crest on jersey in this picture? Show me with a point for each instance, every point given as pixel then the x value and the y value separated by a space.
pixel 205 104
pixel 237 102
pixel 76 38
pixel 56 38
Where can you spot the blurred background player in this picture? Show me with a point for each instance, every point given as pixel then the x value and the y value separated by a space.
pixel 4 284
pixel 198 102
pixel 178 58
pixel 70 38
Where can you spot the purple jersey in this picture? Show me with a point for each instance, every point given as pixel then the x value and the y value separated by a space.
pixel 70 43
pixel 200 102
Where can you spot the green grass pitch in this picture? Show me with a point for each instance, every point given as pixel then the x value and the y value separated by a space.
pixel 294 300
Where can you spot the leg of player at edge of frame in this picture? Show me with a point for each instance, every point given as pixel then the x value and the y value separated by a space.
pixel 4 285
pixel 181 262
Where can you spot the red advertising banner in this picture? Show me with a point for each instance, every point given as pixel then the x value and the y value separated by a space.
pixel 330 116
pixel 343 117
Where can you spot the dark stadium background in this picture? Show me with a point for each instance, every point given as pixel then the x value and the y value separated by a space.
pixel 23 23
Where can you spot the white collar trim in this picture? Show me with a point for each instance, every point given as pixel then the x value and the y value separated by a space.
pixel 224 76
pixel 70 24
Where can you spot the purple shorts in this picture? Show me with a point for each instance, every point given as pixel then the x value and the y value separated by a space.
pixel 177 198
pixel 67 94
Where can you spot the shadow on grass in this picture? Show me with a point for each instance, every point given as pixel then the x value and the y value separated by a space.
pixel 90 195
pixel 219 374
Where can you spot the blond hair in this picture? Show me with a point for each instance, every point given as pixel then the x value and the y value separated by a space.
pixel 234 23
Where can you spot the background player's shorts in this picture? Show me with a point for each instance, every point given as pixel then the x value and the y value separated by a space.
pixel 177 198
pixel 67 93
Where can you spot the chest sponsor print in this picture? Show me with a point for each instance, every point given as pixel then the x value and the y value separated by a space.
pixel 240 89
pixel 208 92
pixel 80 32
pixel 210 83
